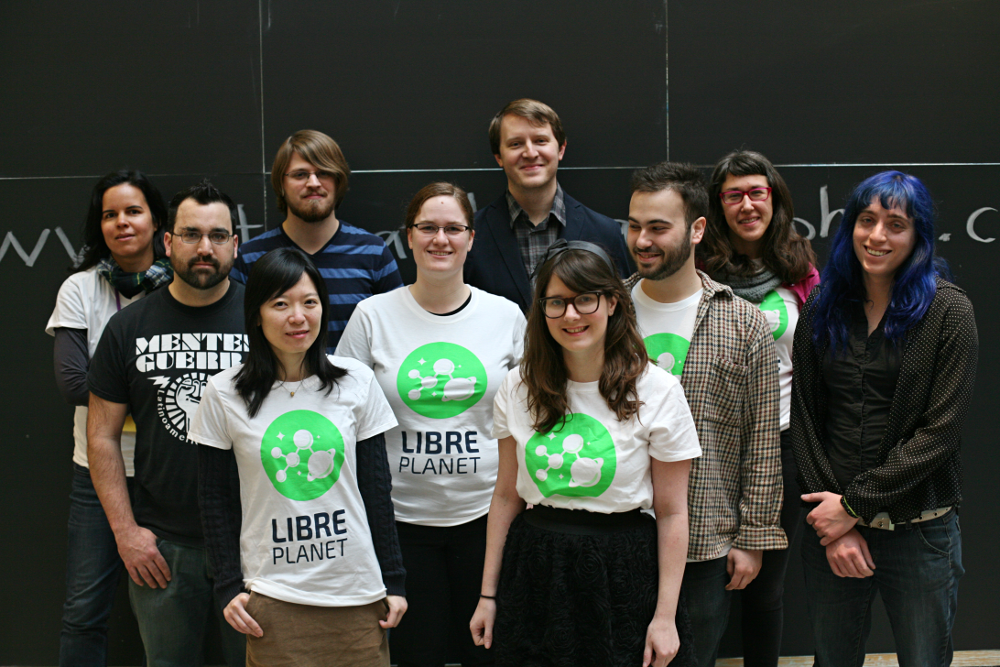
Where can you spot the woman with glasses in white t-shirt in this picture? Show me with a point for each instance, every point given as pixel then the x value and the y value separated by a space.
pixel 440 350
pixel 751 245
pixel 591 433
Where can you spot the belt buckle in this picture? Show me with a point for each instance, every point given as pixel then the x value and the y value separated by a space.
pixel 882 522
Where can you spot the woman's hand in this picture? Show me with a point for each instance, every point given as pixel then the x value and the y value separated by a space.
pixel 829 518
pixel 397 607
pixel 848 556
pixel 237 616
pixel 662 642
pixel 481 624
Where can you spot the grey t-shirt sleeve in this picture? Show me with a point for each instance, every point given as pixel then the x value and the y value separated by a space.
pixel 71 360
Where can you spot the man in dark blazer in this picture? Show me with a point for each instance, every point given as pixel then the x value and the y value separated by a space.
pixel 513 232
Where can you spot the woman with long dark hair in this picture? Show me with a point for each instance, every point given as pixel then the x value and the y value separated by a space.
pixel 590 433
pixel 885 360
pixel 123 259
pixel 313 576
pixel 751 245
pixel 440 350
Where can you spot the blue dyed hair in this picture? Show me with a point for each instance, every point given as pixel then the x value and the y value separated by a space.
pixel 914 285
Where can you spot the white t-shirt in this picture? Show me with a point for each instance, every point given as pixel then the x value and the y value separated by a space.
pixel 305 537
pixel 781 309
pixel 595 462
pixel 87 301
pixel 666 328
pixel 439 374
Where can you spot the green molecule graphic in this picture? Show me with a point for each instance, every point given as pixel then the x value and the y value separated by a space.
pixel 441 380
pixel 302 453
pixel 775 312
pixel 576 459
pixel 668 351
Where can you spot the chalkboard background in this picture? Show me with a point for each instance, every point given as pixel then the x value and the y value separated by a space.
pixel 831 93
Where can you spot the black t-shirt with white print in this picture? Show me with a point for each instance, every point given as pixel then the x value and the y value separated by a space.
pixel 156 356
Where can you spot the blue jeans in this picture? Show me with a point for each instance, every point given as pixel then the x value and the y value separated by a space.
pixel 708 601
pixel 93 569
pixel 172 620
pixel 917 569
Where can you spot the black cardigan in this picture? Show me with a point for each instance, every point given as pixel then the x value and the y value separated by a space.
pixel 918 466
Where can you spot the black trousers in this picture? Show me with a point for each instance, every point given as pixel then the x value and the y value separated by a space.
pixel 444 572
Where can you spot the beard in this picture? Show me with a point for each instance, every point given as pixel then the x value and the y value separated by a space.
pixel 312 211
pixel 673 259
pixel 200 278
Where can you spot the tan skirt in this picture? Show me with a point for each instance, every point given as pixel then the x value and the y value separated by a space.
pixel 298 635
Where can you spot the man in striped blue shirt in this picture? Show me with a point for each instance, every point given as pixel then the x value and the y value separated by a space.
pixel 309 176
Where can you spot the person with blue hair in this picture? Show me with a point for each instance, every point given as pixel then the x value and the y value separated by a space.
pixel 884 364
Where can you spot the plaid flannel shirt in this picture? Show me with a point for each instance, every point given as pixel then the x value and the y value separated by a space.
pixel 731 382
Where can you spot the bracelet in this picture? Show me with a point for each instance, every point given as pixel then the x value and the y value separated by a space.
pixel 488 597
pixel 847 508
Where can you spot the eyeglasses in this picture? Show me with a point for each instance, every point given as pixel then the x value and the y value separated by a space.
pixel 218 238
pixel 301 176
pixel 736 196
pixel 583 304
pixel 430 229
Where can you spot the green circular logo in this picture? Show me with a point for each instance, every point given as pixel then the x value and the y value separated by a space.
pixel 668 351
pixel 775 312
pixel 576 459
pixel 302 453
pixel 441 380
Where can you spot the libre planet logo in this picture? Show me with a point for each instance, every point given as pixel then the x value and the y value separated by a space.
pixel 441 380
pixel 576 459
pixel 668 351
pixel 775 312
pixel 302 452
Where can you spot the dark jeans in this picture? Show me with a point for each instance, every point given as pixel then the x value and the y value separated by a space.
pixel 172 620
pixel 708 601
pixel 93 569
pixel 444 572
pixel 917 569
pixel 763 606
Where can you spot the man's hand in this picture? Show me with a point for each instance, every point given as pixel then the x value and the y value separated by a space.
pixel 397 607
pixel 829 518
pixel 236 615
pixel 849 556
pixel 743 567
pixel 137 547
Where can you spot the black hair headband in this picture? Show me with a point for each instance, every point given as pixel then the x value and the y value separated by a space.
pixel 562 245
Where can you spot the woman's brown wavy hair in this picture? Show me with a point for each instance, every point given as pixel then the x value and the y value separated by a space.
pixel 785 252
pixel 543 370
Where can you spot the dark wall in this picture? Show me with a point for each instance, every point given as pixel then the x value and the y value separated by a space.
pixel 187 89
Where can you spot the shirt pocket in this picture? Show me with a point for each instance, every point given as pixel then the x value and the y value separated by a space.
pixel 725 395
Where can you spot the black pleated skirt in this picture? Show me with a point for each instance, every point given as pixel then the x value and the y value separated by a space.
pixel 578 589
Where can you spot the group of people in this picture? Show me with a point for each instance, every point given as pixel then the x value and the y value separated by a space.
pixel 577 462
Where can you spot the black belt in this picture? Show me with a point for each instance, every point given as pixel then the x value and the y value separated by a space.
pixel 583 522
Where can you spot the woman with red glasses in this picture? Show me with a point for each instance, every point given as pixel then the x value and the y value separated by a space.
pixel 751 245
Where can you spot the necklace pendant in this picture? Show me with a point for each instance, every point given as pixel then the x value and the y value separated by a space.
pixel 291 393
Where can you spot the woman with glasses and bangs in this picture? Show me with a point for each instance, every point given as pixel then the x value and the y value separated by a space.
pixel 440 350
pixel 751 245
pixel 590 434
pixel 885 361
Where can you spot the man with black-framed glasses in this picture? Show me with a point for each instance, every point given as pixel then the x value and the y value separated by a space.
pixel 309 176
pixel 153 361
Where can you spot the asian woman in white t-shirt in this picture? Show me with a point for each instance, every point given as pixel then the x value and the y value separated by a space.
pixel 590 434
pixel 305 555
pixel 440 350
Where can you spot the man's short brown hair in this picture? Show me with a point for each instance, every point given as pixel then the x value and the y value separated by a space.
pixel 537 113
pixel 319 150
